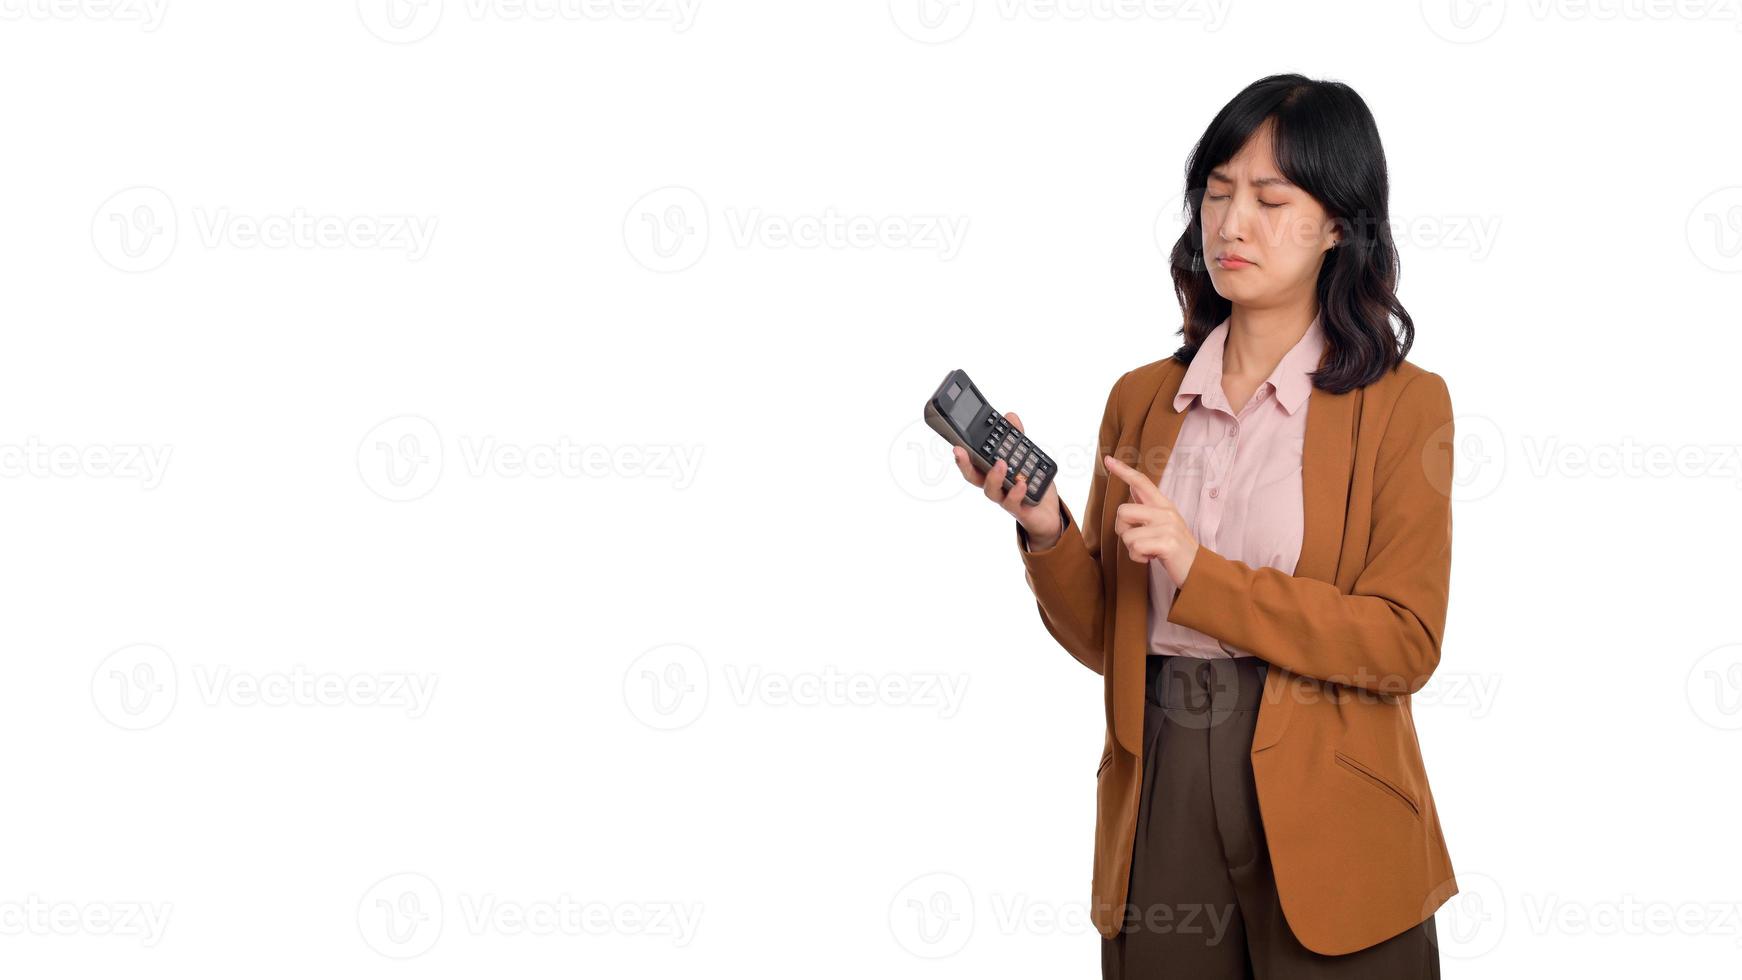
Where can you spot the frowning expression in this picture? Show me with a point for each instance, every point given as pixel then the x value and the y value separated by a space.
pixel 1264 238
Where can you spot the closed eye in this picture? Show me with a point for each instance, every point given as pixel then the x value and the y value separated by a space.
pixel 1224 197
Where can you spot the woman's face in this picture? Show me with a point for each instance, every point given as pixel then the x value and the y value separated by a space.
pixel 1251 211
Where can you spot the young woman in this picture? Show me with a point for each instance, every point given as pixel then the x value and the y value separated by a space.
pixel 1261 573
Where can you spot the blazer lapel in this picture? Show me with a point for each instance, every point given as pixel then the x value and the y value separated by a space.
pixel 1328 454
pixel 1125 676
pixel 1327 460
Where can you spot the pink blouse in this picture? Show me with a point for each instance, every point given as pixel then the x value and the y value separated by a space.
pixel 1235 476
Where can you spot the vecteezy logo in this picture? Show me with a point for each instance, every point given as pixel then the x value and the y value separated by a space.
pixel 923 465
pixel 932 916
pixel 1715 687
pixel 1463 21
pixel 135 687
pixel 400 916
pixel 1478 456
pixel 1715 230
pixel 134 230
pixel 667 687
pixel 1471 923
pixel 932 21
pixel 400 21
pixel 667 229
pixel 401 459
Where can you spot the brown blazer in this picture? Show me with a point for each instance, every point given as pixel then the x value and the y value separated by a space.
pixel 1354 836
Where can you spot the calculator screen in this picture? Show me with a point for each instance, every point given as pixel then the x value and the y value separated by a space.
pixel 965 410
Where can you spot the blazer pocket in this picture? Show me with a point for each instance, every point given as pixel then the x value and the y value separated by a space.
pixel 1379 782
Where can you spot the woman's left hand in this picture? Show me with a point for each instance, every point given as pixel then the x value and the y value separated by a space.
pixel 1151 526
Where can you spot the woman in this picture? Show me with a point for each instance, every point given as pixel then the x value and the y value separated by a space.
pixel 1261 576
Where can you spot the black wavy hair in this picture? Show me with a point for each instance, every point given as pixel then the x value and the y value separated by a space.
pixel 1326 142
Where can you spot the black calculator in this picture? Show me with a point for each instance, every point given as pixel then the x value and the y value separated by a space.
pixel 960 414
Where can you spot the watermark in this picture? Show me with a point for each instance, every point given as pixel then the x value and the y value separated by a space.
pixel 923 467
pixel 403 458
pixel 1471 923
pixel 1475 922
pixel 1630 459
pixel 1632 916
pixel 1714 687
pixel 409 21
pixel 1473 234
pixel 1463 21
pixel 138 686
pixel 404 915
pixel 37 916
pixel 940 21
pixel 1470 21
pixel 299 687
pixel 669 230
pixel 668 686
pixel 830 687
pixel 138 229
pixel 1715 230
pixel 35 459
pixel 407 233
pixel 562 458
pixel 937 914
pixel 135 230
pixel 932 916
pixel 1485 454
pixel 147 14
pixel 1471 693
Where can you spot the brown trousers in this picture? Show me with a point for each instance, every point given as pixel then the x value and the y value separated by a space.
pixel 1202 901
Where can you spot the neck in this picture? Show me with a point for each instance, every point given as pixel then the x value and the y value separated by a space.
pixel 1258 339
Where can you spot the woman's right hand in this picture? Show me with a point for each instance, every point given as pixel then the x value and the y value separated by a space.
pixel 1040 520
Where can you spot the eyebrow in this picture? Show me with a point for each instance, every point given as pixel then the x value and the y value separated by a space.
pixel 1219 174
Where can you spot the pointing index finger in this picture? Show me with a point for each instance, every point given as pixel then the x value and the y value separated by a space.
pixel 1142 489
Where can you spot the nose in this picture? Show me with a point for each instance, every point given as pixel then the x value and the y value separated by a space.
pixel 1230 228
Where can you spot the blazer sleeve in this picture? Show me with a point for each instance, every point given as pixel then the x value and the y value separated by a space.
pixel 1066 578
pixel 1384 635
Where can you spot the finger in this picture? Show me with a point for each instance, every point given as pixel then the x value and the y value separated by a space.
pixel 1128 516
pixel 1142 489
pixel 994 485
pixel 967 468
pixel 1014 421
pixel 1014 501
pixel 1144 544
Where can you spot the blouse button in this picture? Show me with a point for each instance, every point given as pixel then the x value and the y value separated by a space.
pixel 1215 491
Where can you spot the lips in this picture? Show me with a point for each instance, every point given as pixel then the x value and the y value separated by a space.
pixel 1230 260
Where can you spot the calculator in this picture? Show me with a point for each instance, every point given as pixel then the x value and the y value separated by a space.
pixel 960 414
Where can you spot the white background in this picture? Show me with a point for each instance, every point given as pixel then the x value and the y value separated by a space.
pixel 639 673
